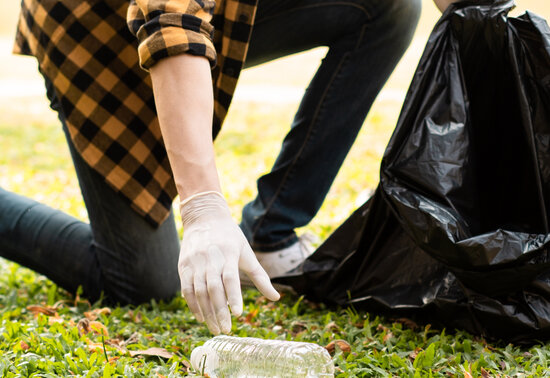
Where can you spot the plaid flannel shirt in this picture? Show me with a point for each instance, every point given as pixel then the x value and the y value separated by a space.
pixel 88 49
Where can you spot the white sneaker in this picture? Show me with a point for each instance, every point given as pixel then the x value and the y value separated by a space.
pixel 280 263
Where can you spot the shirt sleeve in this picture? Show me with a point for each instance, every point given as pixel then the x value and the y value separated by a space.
pixel 171 27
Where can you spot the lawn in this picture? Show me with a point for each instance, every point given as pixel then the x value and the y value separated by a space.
pixel 46 332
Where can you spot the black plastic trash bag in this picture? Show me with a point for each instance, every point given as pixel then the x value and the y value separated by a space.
pixel 457 230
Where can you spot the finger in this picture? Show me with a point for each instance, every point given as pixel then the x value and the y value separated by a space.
pixel 261 280
pixel 201 291
pixel 188 292
pixel 218 300
pixel 232 286
pixel 257 274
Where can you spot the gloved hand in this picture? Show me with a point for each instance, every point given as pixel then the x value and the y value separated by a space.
pixel 213 249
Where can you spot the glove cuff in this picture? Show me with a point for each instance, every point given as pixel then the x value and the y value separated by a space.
pixel 199 205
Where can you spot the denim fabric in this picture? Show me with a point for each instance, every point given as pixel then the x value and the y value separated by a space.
pixel 118 253
pixel 366 39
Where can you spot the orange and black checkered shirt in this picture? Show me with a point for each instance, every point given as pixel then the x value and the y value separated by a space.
pixel 96 53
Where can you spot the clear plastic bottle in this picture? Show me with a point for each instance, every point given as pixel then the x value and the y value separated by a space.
pixel 228 356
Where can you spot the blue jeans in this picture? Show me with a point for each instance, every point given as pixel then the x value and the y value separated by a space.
pixel 366 39
pixel 121 255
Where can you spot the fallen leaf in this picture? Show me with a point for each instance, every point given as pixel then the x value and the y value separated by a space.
pixel 83 326
pixel 407 323
pixel 133 339
pixel 114 342
pixel 312 305
pixel 414 354
pixel 134 316
pixel 95 347
pixel 485 373
pixel 261 300
pixel 155 352
pixel 467 375
pixel 24 345
pixel 98 328
pixel 297 327
pixel 332 327
pixel 78 300
pixel 96 313
pixel 342 345
pixel 269 306
pixel 187 365
pixel 250 316
pixel 46 310
pixel 387 336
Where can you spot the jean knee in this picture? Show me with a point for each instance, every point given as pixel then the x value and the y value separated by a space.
pixel 145 286
pixel 148 274
pixel 404 15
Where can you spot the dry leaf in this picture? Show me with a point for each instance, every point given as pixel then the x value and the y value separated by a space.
pixel 342 345
pixel 94 314
pixel 95 347
pixel 98 328
pixel 485 373
pixel 467 375
pixel 134 316
pixel 24 345
pixel 78 300
pixel 156 352
pixel 261 300
pixel 311 305
pixel 99 347
pixel 414 354
pixel 250 316
pixel 269 306
pixel 117 343
pixel 83 326
pixel 332 326
pixel 46 310
pixel 187 366
pixel 407 323
pixel 387 336
pixel 298 327
pixel 133 339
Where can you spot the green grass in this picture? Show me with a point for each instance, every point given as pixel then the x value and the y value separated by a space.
pixel 45 332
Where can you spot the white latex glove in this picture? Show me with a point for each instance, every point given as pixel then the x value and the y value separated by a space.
pixel 213 249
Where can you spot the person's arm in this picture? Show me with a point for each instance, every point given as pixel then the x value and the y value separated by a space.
pixel 182 87
pixel 175 46
pixel 443 4
pixel 213 246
